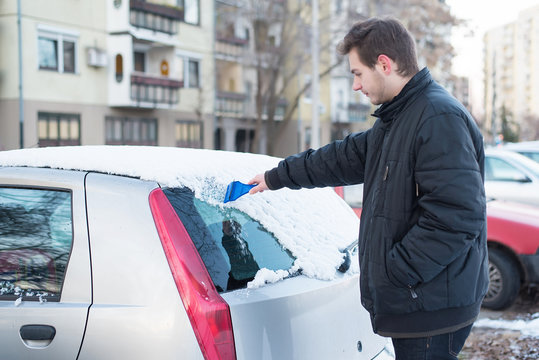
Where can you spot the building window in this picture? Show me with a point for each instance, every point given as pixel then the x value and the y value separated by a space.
pixel 191 12
pixel 58 129
pixel 140 61
pixel 130 131
pixel 191 72
pixel 57 50
pixel 189 134
pixel 119 68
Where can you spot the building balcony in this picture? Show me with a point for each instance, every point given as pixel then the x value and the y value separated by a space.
pixel 350 112
pixel 153 91
pixel 239 105
pixel 230 48
pixel 155 17
pixel 358 112
pixel 231 104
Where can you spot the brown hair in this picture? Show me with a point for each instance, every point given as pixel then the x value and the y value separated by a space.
pixel 377 36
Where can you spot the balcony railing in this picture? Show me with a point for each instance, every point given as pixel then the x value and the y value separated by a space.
pixel 155 17
pixel 154 90
pixel 238 105
pixel 230 104
pixel 230 46
pixel 358 112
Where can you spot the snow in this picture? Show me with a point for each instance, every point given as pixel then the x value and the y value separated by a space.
pixel 314 224
pixel 526 328
pixel 266 276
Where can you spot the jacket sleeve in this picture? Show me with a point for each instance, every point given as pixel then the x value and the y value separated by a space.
pixel 452 208
pixel 339 163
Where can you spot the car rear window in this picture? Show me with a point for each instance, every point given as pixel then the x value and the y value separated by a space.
pixel 36 235
pixel 232 245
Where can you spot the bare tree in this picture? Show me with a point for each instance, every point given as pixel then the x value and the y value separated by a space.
pixel 282 39
pixel 529 128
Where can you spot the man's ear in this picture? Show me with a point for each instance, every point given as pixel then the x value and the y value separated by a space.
pixel 386 65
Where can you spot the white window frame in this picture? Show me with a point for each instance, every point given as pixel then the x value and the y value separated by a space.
pixel 190 3
pixel 186 57
pixel 145 49
pixel 60 35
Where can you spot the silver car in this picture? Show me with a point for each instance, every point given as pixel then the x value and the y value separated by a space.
pixel 130 253
pixel 527 148
pixel 511 176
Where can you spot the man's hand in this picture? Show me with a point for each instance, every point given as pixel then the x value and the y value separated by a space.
pixel 260 184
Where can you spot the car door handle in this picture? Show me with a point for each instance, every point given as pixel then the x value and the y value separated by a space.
pixel 37 336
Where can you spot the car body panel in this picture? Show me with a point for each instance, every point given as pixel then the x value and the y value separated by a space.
pixel 290 320
pixel 68 316
pixel 125 298
pixel 514 225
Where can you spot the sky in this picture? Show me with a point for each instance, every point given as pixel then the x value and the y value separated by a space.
pixel 483 15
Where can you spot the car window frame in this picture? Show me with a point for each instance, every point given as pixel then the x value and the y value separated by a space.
pixel 57 299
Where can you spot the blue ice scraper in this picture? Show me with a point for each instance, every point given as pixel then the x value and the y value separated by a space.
pixel 236 189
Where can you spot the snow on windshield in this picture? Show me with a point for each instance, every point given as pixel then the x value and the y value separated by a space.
pixel 314 224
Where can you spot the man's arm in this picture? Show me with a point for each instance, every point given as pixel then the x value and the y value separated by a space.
pixel 339 163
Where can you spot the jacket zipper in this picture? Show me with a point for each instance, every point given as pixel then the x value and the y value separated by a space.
pixel 412 291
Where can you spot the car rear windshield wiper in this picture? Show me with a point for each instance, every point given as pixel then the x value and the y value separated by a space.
pixel 347 255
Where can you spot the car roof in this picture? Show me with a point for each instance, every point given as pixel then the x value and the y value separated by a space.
pixel 314 224
pixel 513 156
pixel 525 145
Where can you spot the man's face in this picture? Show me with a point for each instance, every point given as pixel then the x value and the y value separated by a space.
pixel 371 82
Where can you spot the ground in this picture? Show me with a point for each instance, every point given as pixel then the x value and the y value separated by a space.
pixel 492 344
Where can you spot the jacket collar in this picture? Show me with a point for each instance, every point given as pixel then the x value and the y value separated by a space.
pixel 388 111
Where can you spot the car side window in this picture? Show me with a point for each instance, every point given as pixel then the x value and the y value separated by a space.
pixel 36 235
pixel 500 170
pixel 232 245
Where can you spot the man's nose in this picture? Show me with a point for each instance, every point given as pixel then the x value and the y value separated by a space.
pixel 356 85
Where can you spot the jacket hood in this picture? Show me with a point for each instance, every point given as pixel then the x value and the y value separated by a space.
pixel 388 111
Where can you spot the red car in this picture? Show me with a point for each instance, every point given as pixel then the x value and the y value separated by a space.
pixel 513 244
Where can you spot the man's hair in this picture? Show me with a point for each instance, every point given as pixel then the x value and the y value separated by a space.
pixel 377 36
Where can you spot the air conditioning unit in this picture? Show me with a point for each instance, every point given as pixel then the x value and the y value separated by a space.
pixel 96 57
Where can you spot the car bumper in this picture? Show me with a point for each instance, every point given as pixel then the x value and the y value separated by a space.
pixel 531 265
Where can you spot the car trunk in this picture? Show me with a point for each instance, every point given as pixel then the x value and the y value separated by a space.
pixel 302 318
pixel 223 259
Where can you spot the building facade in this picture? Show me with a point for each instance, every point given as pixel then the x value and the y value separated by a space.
pixel 511 76
pixel 96 72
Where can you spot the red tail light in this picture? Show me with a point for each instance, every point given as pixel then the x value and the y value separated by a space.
pixel 208 312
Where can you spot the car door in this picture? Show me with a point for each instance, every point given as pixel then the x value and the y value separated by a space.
pixel 45 277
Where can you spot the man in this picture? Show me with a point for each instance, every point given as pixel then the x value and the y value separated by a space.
pixel 422 249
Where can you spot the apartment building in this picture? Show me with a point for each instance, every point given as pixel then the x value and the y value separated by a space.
pixel 249 101
pixel 511 76
pixel 106 72
pixel 350 110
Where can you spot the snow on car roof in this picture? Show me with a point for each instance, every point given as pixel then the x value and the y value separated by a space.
pixel 314 224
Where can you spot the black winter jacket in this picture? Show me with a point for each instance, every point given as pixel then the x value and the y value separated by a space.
pixel 422 243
